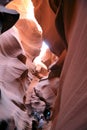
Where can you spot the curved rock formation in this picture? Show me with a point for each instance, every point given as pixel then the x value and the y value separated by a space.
pixel 65 30
pixel 71 24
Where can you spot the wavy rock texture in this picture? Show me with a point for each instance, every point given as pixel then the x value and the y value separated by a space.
pixel 19 97
pixel 29 103
pixel 71 24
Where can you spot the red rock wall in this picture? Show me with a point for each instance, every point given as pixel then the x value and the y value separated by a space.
pixel 46 19
pixel 71 102
pixel 72 99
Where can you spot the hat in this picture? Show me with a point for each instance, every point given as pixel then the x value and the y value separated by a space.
pixel 8 18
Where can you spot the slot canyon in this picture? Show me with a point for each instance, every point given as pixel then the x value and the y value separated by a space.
pixel 43 67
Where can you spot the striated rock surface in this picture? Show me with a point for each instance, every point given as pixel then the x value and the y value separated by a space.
pixel 71 25
pixel 46 18
pixel 50 103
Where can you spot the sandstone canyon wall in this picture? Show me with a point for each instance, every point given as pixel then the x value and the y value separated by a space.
pixel 71 101
pixel 64 25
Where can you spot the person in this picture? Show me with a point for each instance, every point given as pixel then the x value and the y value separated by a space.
pixel 41 123
pixel 47 114
pixel 34 125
